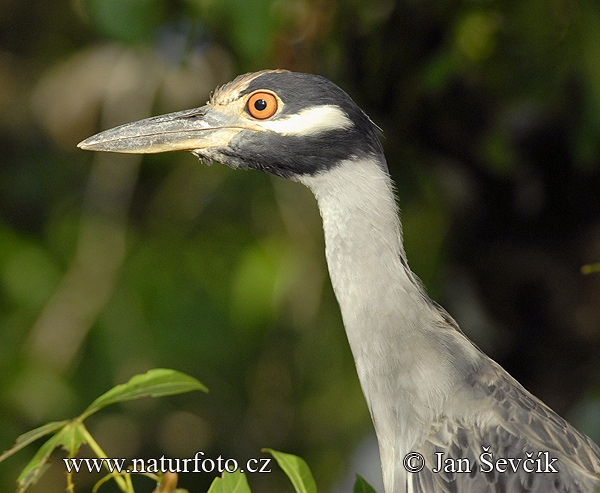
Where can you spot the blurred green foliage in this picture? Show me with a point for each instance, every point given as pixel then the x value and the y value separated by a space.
pixel 71 434
pixel 110 265
pixel 113 18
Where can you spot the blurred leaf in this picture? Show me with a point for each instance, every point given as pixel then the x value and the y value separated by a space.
pixel 255 284
pixel 250 25
pixel 476 35
pixel 361 486
pixel 31 436
pixel 590 268
pixel 498 152
pixel 154 383
pixel 30 276
pixel 126 20
pixel 36 466
pixel 230 482
pixel 440 71
pixel 296 469
pixel 70 437
pixel 428 226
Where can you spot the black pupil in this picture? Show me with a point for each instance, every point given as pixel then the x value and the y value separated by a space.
pixel 260 105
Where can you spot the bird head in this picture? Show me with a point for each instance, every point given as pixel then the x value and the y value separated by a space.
pixel 289 124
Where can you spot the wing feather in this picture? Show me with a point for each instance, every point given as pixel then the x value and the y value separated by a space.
pixel 493 410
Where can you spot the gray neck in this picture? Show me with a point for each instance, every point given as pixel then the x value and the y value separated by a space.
pixel 398 336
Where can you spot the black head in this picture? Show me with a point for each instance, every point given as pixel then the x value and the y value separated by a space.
pixel 289 124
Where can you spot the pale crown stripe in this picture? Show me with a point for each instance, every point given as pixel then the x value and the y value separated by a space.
pixel 310 121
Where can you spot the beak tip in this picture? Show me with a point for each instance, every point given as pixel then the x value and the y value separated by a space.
pixel 95 144
pixel 86 145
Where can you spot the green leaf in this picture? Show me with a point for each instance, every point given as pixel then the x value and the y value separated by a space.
pixel 37 465
pixel 71 434
pixel 70 437
pixel 361 486
pixel 296 469
pixel 154 383
pixel 230 482
pixel 31 436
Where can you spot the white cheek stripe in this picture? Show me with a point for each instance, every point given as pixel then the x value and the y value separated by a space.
pixel 310 121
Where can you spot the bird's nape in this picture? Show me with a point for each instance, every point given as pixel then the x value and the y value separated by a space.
pixel 430 391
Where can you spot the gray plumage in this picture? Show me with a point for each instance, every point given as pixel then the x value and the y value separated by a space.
pixel 428 388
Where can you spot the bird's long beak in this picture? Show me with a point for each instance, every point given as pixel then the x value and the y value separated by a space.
pixel 188 130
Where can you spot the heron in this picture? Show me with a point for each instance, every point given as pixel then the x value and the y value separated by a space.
pixel 447 417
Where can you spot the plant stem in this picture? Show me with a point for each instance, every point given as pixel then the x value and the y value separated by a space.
pixel 121 482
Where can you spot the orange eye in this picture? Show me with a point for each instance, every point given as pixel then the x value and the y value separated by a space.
pixel 262 105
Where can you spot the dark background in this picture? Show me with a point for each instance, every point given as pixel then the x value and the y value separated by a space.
pixel 111 265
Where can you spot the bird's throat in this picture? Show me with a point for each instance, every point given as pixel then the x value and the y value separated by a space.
pixel 391 324
pixel 378 294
